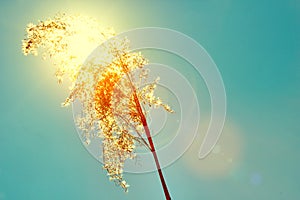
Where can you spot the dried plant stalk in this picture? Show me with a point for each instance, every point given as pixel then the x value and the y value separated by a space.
pixel 114 103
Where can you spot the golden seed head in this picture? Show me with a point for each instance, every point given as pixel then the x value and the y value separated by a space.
pixel 106 90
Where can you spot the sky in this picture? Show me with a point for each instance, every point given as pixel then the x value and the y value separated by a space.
pixel 256 46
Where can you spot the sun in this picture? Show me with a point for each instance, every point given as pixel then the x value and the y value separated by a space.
pixel 66 40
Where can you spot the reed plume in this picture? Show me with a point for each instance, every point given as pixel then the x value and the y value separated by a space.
pixel 115 101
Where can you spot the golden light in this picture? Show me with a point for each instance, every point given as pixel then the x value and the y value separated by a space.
pixel 66 40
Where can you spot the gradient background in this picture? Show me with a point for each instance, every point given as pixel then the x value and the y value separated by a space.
pixel 256 45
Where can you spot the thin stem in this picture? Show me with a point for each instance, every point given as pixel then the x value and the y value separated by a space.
pixel 144 121
pixel 129 124
pixel 146 128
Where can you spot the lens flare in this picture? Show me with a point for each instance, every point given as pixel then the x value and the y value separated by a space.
pixel 224 157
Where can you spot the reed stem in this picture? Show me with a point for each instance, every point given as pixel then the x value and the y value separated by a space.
pixel 144 121
pixel 146 128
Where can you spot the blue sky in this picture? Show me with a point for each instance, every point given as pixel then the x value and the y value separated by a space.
pixel 256 47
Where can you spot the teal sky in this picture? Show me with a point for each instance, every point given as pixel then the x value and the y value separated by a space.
pixel 256 46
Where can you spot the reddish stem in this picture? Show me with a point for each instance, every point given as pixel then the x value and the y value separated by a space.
pixel 144 121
